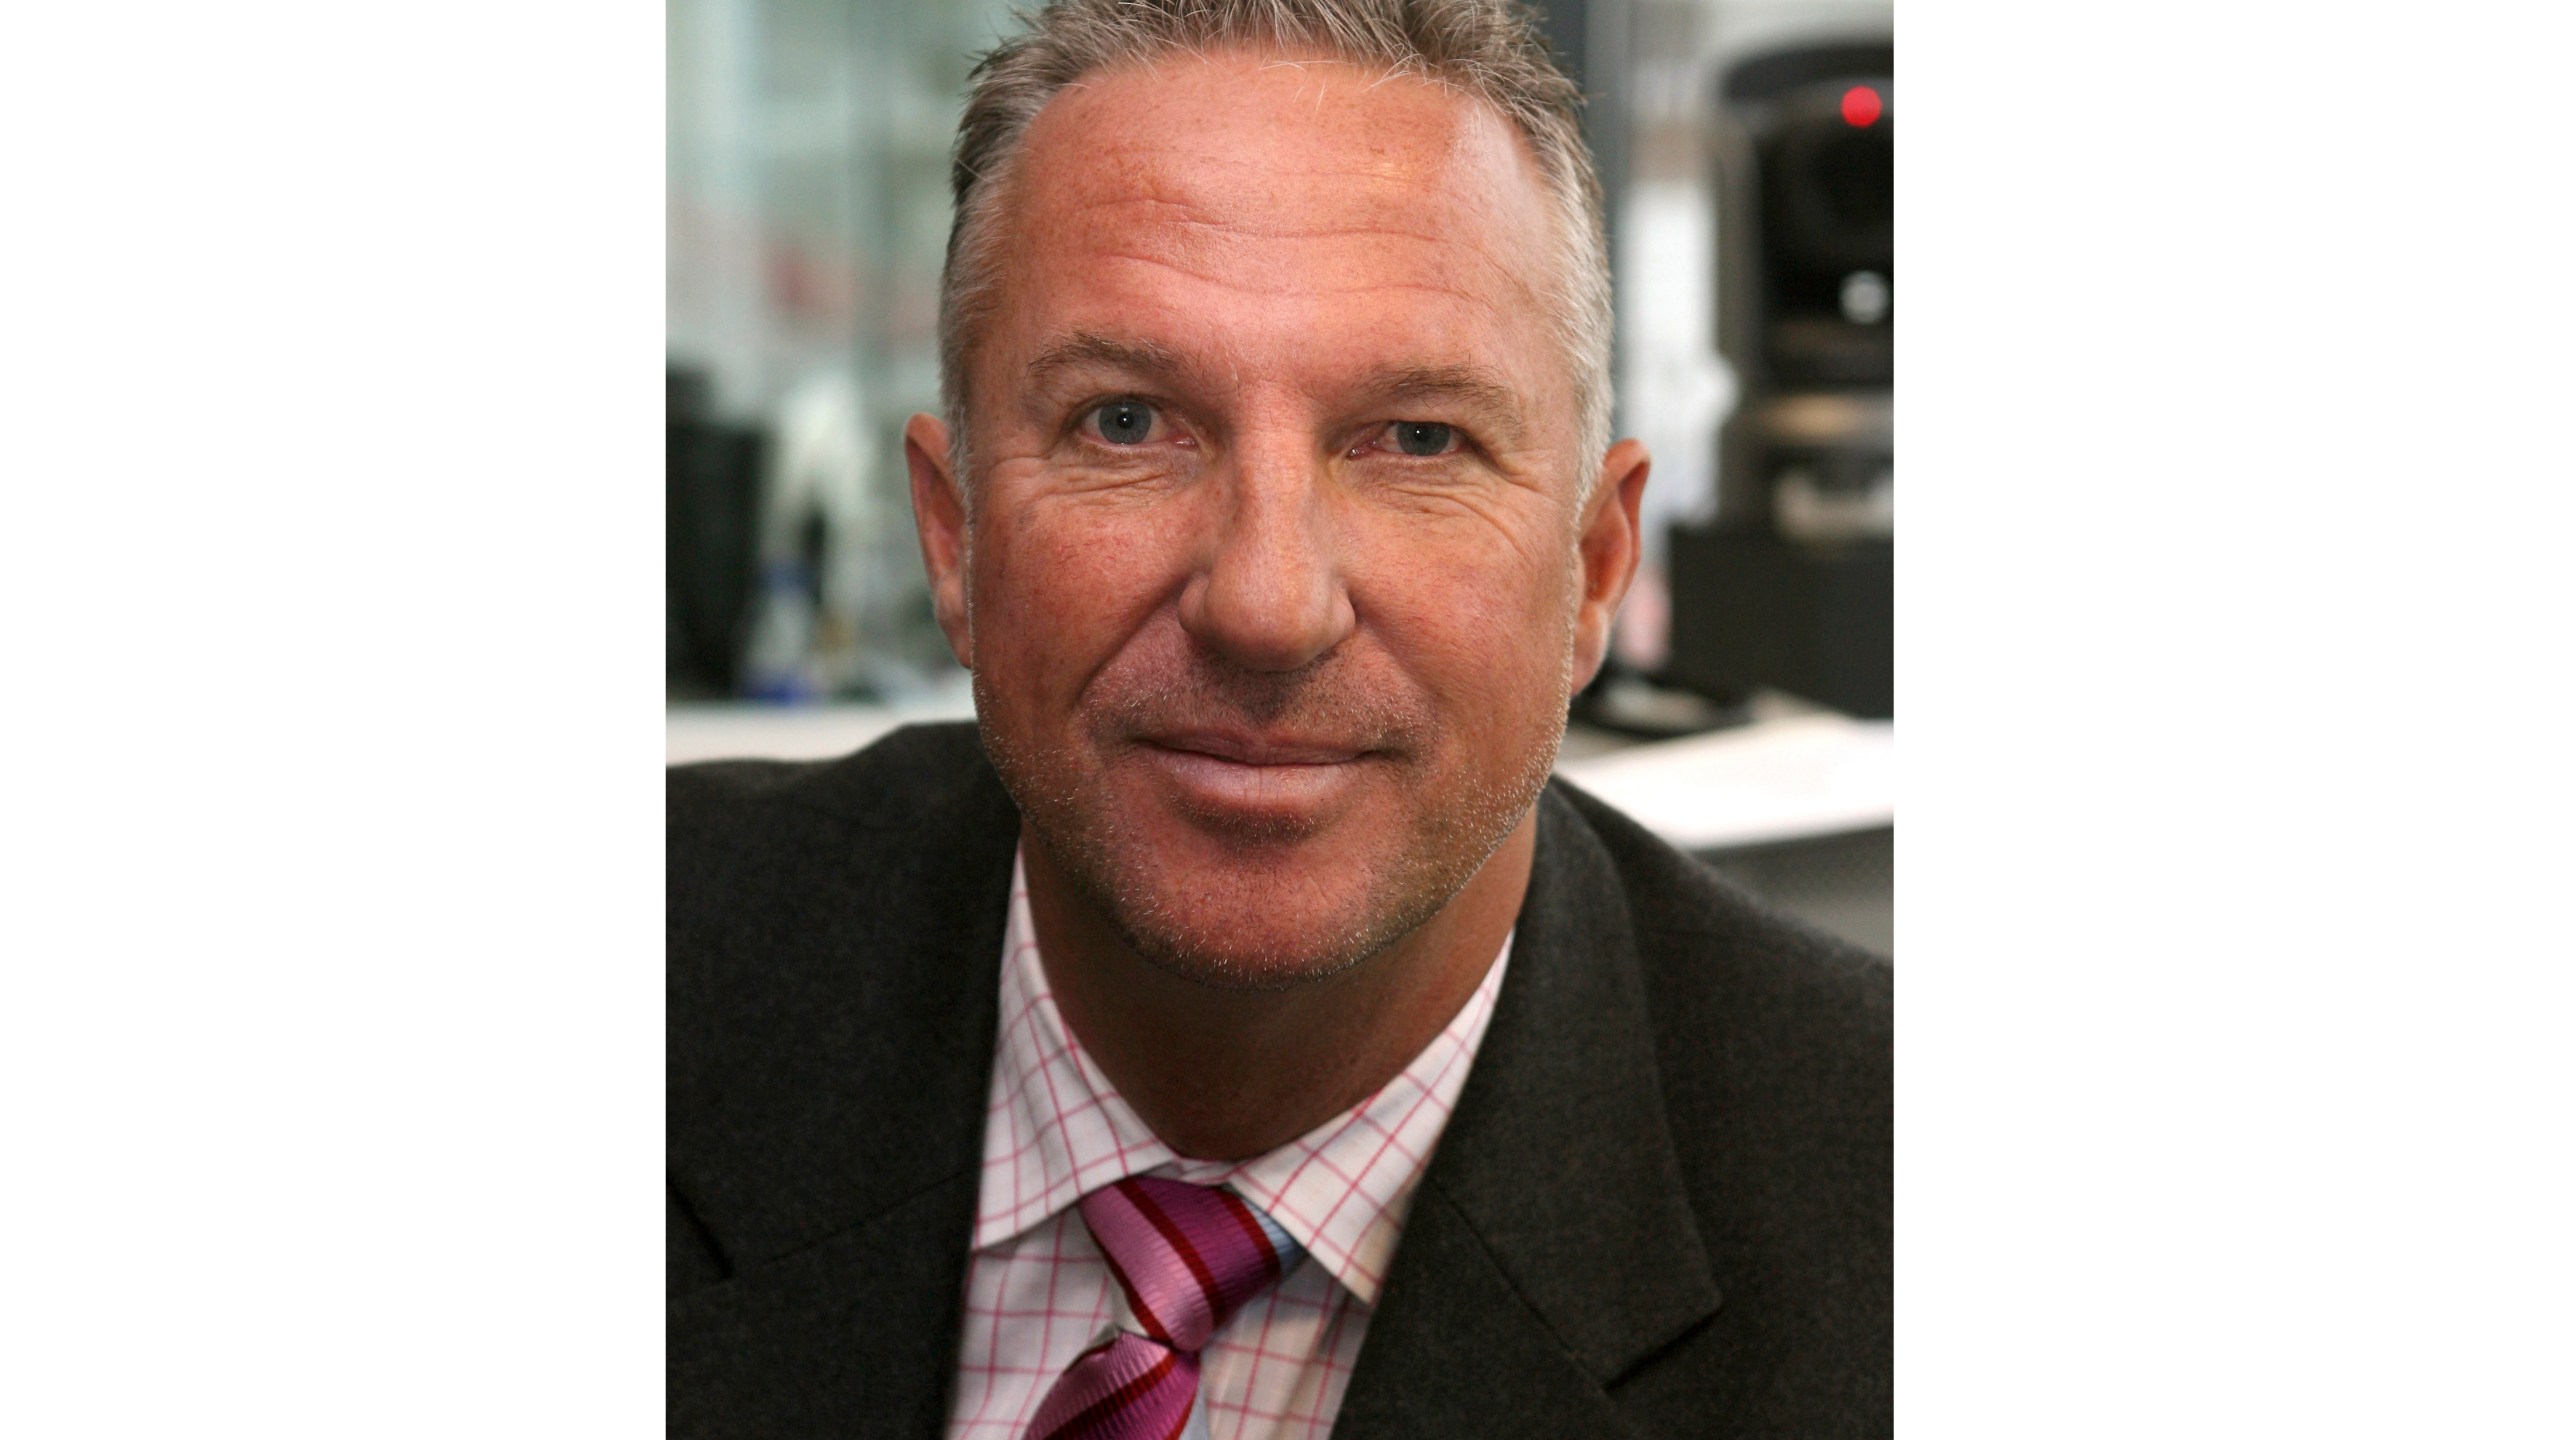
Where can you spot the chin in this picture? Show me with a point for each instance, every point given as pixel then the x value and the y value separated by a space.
pixel 1236 914
pixel 1230 934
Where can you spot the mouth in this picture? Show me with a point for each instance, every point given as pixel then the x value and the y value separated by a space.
pixel 1244 748
pixel 1272 783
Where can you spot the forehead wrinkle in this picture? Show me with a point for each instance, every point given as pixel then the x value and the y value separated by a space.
pixel 1190 216
pixel 1198 233
pixel 1292 282
pixel 1221 252
pixel 1233 201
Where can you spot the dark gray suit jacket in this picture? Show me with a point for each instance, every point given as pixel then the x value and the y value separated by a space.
pixel 1662 1207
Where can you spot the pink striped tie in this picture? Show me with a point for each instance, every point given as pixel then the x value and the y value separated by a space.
pixel 1188 1257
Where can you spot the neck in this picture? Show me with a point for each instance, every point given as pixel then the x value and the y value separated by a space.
pixel 1223 1074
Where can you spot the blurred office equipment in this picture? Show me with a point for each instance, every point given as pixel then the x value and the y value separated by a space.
pixel 715 504
pixel 1788 583
pixel 808 160
pixel 775 528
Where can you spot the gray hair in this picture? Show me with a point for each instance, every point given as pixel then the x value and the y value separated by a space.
pixel 1489 49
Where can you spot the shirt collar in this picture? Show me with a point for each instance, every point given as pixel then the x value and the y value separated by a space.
pixel 1057 1130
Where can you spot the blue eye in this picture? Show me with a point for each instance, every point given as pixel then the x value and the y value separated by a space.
pixel 1124 422
pixel 1423 437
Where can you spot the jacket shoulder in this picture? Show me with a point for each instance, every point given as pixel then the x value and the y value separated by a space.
pixel 833 930
pixel 744 831
pixel 1696 927
pixel 877 786
pixel 1775 1038
pixel 1774 1048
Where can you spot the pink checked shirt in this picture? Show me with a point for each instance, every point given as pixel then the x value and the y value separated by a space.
pixel 1039 1292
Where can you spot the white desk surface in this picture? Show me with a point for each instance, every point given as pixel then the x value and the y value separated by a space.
pixel 1783 778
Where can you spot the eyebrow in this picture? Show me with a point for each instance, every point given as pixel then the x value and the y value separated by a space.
pixel 1470 386
pixel 1084 348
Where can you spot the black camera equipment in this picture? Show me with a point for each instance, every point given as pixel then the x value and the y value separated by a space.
pixel 1788 584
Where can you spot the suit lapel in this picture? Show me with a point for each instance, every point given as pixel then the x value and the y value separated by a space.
pixel 837 1149
pixel 853 1336
pixel 1550 1246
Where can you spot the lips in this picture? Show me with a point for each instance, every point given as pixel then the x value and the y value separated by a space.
pixel 1242 748
pixel 1258 787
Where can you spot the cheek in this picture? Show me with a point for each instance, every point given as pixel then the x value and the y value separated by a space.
pixel 1057 591
pixel 1483 625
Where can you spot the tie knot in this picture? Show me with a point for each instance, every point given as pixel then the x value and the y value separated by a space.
pixel 1187 1256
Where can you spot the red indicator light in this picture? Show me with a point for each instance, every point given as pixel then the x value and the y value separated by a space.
pixel 1862 106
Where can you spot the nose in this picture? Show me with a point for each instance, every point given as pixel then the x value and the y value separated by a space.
pixel 1268 592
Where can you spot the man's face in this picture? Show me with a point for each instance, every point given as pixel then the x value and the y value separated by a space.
pixel 1275 574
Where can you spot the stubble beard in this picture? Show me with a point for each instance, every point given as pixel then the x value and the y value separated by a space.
pixel 1263 924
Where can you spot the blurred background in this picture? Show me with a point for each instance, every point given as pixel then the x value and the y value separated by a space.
pixel 1745 148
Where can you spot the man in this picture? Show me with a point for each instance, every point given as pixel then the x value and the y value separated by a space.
pixel 1236 1033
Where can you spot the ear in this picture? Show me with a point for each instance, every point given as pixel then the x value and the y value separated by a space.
pixel 1611 544
pixel 942 525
